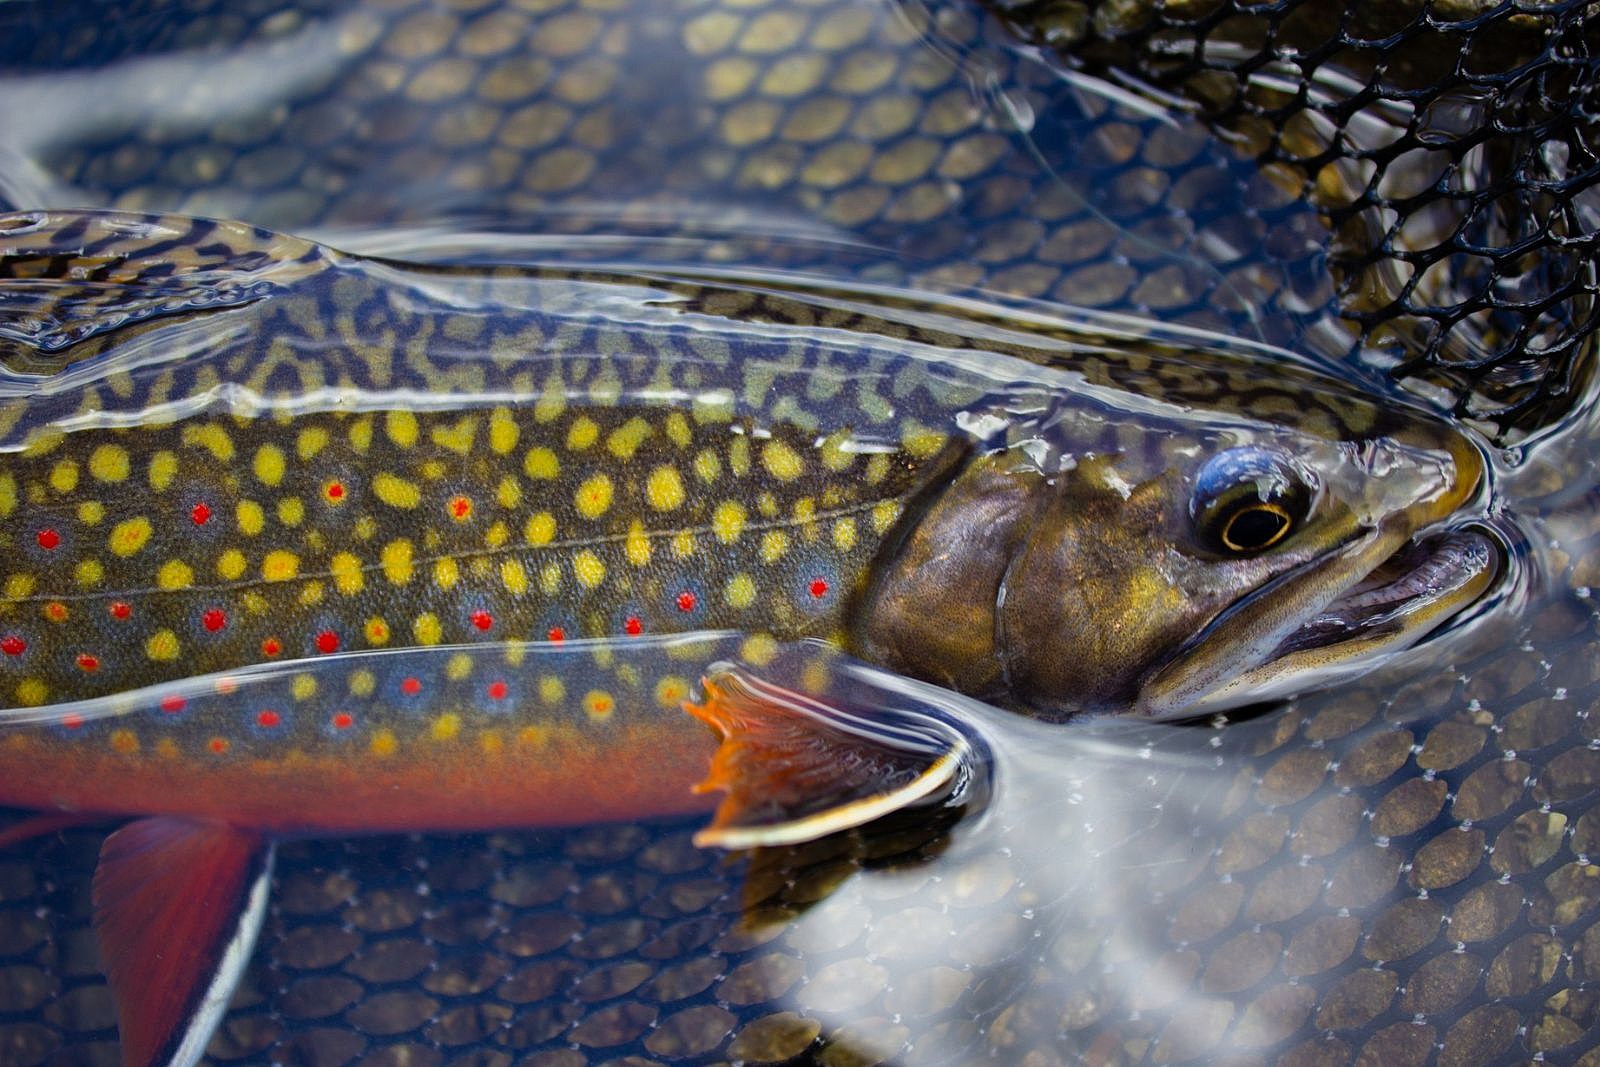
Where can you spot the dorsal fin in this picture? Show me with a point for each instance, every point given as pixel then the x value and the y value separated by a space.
pixel 66 276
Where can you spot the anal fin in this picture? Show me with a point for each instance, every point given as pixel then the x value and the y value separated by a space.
pixel 797 767
pixel 177 906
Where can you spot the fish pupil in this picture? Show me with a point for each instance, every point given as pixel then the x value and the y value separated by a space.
pixel 1255 527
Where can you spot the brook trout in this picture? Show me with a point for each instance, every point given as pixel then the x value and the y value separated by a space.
pixel 239 472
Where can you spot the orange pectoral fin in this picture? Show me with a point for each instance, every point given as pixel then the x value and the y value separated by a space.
pixel 797 767
pixel 177 906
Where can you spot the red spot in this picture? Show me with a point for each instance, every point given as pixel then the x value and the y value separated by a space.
pixel 557 634
pixel 819 587
pixel 633 626
pixel 55 611
pixel 482 620
pixel 72 722
pixel 201 514
pixel 334 491
pixel 271 646
pixel 460 508
pixel 327 641
pixel 88 662
pixel 498 690
pixel 410 687
pixel 269 719
pixel 48 539
pixel 219 745
pixel 173 705
pixel 686 601
pixel 12 645
pixel 343 721
pixel 121 609
pixel 214 619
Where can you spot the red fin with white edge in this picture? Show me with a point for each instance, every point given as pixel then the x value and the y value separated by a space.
pixel 177 906
pixel 797 767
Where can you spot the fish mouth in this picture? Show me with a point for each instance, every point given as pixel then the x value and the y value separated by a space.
pixel 1350 627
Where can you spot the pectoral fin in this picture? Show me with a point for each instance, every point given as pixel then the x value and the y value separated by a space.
pixel 796 766
pixel 177 906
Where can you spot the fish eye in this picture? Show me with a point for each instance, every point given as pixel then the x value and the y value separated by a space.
pixel 1247 499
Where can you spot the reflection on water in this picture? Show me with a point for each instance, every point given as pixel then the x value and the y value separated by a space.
pixel 1393 870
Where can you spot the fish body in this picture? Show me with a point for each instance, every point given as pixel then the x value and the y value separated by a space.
pixel 299 543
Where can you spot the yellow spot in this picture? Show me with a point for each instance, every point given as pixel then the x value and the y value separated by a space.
pixel 458 667
pixel 598 705
pixel 671 692
pixel 664 488
pixel 269 465
pixel 19 586
pixel 162 646
pixel 727 522
pixel 8 493
pixel 588 569
pixel 877 468
pixel 739 456
pixel 445 572
pixel 31 692
pixel 625 440
pixel 163 468
pixel 129 536
pixel 167 748
pixel 64 476
pixel 383 743
pixel 833 452
pixel 250 517
pixel 497 534
pixel 427 629
pixel 362 683
pixel 759 650
pixel 230 565
pixel 291 511
pixel 920 441
pixel 312 593
pixel 683 544
pixel 396 491
pixel 767 504
pixel 311 440
pixel 514 577
pixel 90 572
pixel 781 461
pixel 366 527
pixel 254 603
pixel 509 493
pixel 678 431
pixel 551 691
pixel 532 736
pixel 212 438
pixel 280 565
pixel 396 561
pixel 124 742
pixel 361 435
pixel 491 742
pixel 741 591
pixel 844 534
pixel 109 463
pixel 550 579
pixel 707 466
pixel 401 428
pixel 346 571
pixel 44 442
pixel 884 514
pixel 446 727
pixel 457 438
pixel 541 528
pixel 582 433
pixel 91 512
pixel 774 543
pixel 503 431
pixel 174 574
pixel 376 631
pixel 541 464
pixel 637 544
pixel 304 687
pixel 593 497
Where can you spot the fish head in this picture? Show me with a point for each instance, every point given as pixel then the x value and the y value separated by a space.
pixel 1173 565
